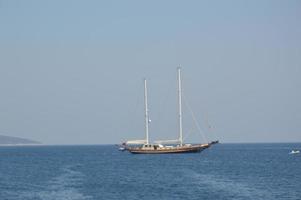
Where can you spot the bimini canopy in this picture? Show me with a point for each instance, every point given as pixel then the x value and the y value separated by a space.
pixel 136 142
pixel 167 142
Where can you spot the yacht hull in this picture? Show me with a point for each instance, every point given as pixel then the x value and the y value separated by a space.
pixel 183 149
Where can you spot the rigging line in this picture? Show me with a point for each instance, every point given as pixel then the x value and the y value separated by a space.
pixel 195 121
pixel 210 128
pixel 190 131
pixel 187 135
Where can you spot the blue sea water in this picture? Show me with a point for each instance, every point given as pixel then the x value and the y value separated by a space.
pixel 225 171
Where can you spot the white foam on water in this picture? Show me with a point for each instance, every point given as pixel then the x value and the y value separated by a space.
pixel 227 187
pixel 62 187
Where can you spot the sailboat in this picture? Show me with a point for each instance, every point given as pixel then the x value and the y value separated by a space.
pixel 159 147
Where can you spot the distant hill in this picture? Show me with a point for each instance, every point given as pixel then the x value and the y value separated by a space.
pixel 7 140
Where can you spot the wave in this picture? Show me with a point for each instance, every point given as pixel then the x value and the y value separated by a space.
pixel 225 187
pixel 65 186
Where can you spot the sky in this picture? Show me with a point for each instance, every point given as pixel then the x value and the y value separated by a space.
pixel 71 72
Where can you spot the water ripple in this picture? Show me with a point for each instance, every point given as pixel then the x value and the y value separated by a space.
pixel 65 186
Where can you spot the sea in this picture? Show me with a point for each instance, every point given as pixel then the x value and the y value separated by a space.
pixel 95 172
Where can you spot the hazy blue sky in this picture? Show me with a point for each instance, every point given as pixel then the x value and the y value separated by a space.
pixel 71 72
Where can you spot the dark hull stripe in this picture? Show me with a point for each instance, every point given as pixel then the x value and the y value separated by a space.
pixel 165 151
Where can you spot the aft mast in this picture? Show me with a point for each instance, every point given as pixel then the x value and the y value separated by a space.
pixel 146 112
pixel 180 106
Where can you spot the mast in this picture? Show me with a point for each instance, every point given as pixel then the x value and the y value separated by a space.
pixel 180 106
pixel 146 112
